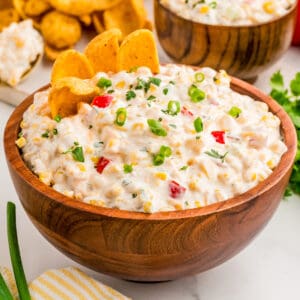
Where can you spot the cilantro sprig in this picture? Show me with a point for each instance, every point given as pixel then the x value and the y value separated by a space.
pixel 289 99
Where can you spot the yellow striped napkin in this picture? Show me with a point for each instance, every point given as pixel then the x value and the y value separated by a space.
pixel 10 281
pixel 65 284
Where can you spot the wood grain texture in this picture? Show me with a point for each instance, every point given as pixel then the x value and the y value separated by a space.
pixel 150 247
pixel 243 51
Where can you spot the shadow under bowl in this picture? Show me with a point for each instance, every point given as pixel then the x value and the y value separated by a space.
pixel 243 51
pixel 150 247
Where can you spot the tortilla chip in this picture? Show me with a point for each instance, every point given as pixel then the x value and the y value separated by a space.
pixel 36 7
pixel 75 7
pixel 66 93
pixel 6 4
pixel 8 16
pixel 148 25
pixel 128 16
pixel 52 53
pixel 71 63
pixel 59 30
pixel 86 20
pixel 19 6
pixel 97 18
pixel 138 50
pixel 102 51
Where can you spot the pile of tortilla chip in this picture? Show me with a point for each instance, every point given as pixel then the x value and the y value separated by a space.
pixel 72 68
pixel 61 21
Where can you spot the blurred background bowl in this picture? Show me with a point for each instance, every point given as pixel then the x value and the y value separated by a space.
pixel 150 247
pixel 243 51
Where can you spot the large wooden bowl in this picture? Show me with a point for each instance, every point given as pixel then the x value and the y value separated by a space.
pixel 243 51
pixel 150 247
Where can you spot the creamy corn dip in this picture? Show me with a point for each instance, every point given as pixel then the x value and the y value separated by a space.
pixel 229 12
pixel 20 46
pixel 177 140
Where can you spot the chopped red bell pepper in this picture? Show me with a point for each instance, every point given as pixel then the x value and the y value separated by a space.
pixel 219 136
pixel 102 163
pixel 186 112
pixel 175 189
pixel 102 101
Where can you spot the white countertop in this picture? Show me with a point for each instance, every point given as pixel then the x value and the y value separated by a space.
pixel 267 269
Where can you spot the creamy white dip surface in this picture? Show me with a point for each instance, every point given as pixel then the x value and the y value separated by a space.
pixel 187 141
pixel 230 12
pixel 20 45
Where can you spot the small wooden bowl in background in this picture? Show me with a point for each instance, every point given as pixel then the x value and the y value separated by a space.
pixel 150 247
pixel 243 51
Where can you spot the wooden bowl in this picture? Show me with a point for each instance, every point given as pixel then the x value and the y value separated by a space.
pixel 150 247
pixel 243 51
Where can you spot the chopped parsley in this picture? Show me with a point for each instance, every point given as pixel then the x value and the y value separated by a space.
pixel 215 154
pixel 183 168
pixel 46 134
pixel 130 95
pixel 165 91
pixel 76 151
pixel 104 82
pixel 289 99
pixel 151 97
pixel 110 91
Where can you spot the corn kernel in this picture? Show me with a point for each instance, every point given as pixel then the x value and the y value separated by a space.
pixel 264 118
pixel 261 177
pixel 37 140
pixel 204 170
pixel 152 88
pixel 268 7
pixel 204 9
pixel 97 202
pixel 21 142
pixel 89 150
pixel 111 143
pixel 44 177
pixel 31 107
pixel 191 161
pixel 197 204
pixel 253 177
pixel 23 124
pixel 81 167
pixel 178 206
pixel 270 164
pixel 193 186
pixel 120 84
pixel 147 207
pixel 161 176
pixel 95 159
pixel 137 126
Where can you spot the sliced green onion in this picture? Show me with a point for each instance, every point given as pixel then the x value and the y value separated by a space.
pixel 14 251
pixel 57 118
pixel 173 108
pixel 158 159
pixel 121 116
pixel 165 151
pixel 127 168
pixel 156 127
pixel 198 124
pixel 235 111
pixel 104 82
pixel 199 77
pixel 196 94
pixel 4 290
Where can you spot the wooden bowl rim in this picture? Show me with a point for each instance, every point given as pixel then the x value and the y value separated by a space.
pixel 291 11
pixel 16 162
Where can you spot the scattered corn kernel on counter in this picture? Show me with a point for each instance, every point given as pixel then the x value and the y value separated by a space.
pixel 175 140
